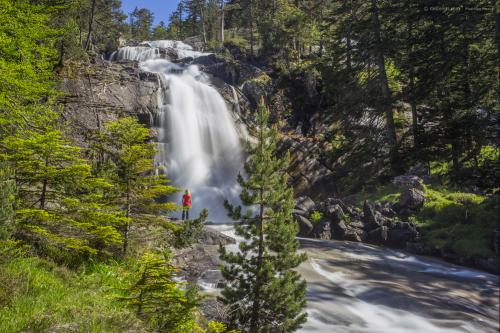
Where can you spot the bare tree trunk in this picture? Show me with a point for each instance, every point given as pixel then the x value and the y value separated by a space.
pixel 412 99
pixel 384 85
pixel 203 28
pixel 91 23
pixel 127 215
pixel 222 23
pixel 251 28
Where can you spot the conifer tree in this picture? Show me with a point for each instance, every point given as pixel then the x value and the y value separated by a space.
pixel 263 291
pixel 60 203
pixel 157 298
pixel 139 188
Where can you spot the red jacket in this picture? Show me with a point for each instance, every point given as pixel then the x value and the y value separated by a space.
pixel 186 200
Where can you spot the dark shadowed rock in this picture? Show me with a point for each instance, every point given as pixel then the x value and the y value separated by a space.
pixel 305 226
pixel 352 235
pixel 369 218
pixel 401 233
pixel 336 215
pixel 304 203
pixel 322 230
pixel 357 224
pixel 377 236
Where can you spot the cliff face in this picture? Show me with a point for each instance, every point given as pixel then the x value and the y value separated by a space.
pixel 104 91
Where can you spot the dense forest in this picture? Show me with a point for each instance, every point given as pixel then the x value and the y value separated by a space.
pixel 424 74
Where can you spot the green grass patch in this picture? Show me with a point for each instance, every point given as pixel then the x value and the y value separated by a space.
pixel 457 221
pixel 461 222
pixel 388 192
pixel 37 295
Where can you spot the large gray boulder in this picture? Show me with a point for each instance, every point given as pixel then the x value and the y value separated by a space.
pixel 412 199
pixel 304 203
pixel 305 226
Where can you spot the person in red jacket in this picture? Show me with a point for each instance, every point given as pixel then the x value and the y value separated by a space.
pixel 186 205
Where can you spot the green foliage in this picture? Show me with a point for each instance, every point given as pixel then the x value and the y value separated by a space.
pixel 40 296
pixel 263 291
pixel 316 217
pixel 138 188
pixel 189 232
pixel 157 298
pixel 7 202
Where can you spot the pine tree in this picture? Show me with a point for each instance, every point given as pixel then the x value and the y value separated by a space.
pixel 60 203
pixel 263 291
pixel 139 188
pixel 158 299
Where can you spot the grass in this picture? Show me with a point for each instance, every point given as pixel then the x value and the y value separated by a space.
pixel 383 193
pixel 460 222
pixel 37 295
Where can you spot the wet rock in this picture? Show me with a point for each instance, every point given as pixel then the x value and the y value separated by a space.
pixel 323 230
pixel 304 203
pixel 305 226
pixel 377 236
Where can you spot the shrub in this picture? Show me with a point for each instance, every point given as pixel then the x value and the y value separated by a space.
pixel 316 217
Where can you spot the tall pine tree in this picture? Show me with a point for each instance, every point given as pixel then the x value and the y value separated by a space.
pixel 263 291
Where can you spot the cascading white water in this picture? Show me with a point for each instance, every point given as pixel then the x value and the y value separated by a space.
pixel 199 147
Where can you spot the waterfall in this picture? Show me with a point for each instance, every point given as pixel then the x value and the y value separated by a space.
pixel 198 146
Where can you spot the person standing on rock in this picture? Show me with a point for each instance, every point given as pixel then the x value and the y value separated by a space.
pixel 186 205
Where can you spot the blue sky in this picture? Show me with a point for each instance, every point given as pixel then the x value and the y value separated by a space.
pixel 160 8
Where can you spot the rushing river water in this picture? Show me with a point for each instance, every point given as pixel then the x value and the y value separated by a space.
pixel 352 287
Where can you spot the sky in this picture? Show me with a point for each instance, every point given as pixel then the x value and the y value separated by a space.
pixel 160 8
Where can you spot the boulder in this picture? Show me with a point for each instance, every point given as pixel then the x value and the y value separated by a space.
pixel 354 235
pixel 336 215
pixel 400 233
pixel 408 181
pixel 304 203
pixel 369 217
pixel 377 236
pixel 357 225
pixel 305 226
pixel 412 199
pixel 323 230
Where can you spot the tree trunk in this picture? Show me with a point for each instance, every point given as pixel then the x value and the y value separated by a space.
pixel 43 195
pixel 412 99
pixel 222 23
pixel 203 28
pixel 385 90
pixel 254 319
pixel 127 215
pixel 91 23
pixel 251 28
